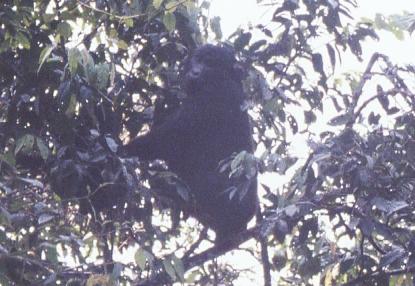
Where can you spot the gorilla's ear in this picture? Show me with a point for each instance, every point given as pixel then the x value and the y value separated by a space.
pixel 238 71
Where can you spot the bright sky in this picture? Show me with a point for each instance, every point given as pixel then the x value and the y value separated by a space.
pixel 239 13
pixel 233 14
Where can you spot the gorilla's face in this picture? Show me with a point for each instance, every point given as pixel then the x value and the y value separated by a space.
pixel 209 66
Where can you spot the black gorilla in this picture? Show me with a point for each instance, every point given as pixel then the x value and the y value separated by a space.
pixel 209 127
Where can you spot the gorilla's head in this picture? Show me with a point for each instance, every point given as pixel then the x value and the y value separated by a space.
pixel 209 66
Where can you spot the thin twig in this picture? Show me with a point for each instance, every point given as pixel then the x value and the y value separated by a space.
pixel 359 90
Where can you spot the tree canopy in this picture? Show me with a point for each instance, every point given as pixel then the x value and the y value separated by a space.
pixel 80 77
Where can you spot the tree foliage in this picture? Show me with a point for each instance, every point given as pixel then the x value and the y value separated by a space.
pixel 79 77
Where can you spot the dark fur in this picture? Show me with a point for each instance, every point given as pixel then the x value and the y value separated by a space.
pixel 208 127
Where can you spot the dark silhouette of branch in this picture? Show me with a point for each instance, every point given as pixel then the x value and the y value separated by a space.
pixel 219 250
pixel 266 266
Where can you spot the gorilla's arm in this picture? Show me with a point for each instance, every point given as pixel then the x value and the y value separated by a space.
pixel 162 141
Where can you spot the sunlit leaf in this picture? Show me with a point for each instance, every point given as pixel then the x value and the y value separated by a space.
pixel 23 40
pixel 74 58
pixel 122 45
pixel 157 3
pixel 171 6
pixel 44 55
pixel 64 29
pixel 169 21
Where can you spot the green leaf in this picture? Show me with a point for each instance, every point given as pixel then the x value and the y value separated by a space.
pixel 122 45
pixel 74 58
pixel 43 149
pixel 25 144
pixel 157 3
pixel 23 40
pixel 5 217
pixel 4 46
pixel 64 29
pixel 103 72
pixel 9 158
pixel 168 266
pixel 44 55
pixel 89 67
pixel 141 257
pixel 191 278
pixel 116 272
pixel 51 252
pixel 178 267
pixel 172 6
pixel 128 22
pixel 399 34
pixel 47 18
pixel 169 21
pixel 71 109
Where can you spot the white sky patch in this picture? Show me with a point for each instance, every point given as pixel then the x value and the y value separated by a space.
pixel 235 14
pixel 239 13
pixel 243 12
pixel 369 8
